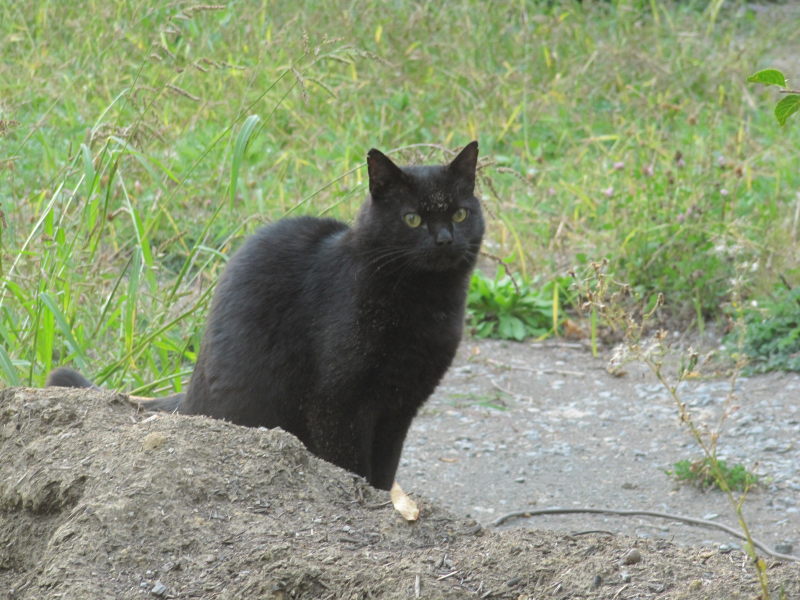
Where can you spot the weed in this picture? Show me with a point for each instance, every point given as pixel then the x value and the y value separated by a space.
pixel 770 333
pixel 598 292
pixel 502 308
pixel 705 474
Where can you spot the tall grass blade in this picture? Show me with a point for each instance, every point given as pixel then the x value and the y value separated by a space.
pixel 65 331
pixel 247 131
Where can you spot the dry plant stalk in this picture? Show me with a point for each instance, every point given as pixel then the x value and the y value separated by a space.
pixel 612 302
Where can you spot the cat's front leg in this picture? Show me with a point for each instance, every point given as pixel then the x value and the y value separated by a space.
pixel 387 446
pixel 344 438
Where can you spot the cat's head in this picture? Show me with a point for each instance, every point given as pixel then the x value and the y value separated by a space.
pixel 424 217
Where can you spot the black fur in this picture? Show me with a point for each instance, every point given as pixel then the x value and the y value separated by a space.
pixel 339 334
pixel 66 377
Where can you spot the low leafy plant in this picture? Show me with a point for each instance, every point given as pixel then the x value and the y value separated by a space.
pixel 701 472
pixel 500 307
pixel 771 335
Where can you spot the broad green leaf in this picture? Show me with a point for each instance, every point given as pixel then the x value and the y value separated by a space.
pixel 768 77
pixel 787 107
pixel 518 329
pixel 505 328
pixel 485 329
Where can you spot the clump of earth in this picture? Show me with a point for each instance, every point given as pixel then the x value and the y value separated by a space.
pixel 100 500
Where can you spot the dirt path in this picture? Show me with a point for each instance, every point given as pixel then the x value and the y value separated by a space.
pixel 536 425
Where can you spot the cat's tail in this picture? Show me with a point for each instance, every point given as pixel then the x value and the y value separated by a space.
pixel 66 377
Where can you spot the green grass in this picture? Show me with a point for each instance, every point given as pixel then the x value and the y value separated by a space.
pixel 140 141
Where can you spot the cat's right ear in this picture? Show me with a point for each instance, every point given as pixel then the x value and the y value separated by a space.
pixel 383 173
pixel 465 164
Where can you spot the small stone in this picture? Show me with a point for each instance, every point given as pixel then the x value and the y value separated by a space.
pixel 632 557
pixel 625 576
pixel 726 548
pixel 695 585
pixel 519 480
pixel 784 547
pixel 158 589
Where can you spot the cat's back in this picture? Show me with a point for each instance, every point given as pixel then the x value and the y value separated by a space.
pixel 273 260
pixel 258 330
pixel 293 241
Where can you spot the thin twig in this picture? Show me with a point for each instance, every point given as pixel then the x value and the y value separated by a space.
pixel 643 513
pixel 504 390
pixel 505 267
pixel 619 591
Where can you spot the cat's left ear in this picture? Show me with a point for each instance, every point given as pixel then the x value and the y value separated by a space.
pixel 383 173
pixel 464 165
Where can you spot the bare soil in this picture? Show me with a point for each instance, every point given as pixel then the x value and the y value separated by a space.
pixel 100 501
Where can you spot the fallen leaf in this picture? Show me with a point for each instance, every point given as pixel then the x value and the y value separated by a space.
pixel 403 503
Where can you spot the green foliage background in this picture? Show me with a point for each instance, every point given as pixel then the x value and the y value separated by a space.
pixel 140 140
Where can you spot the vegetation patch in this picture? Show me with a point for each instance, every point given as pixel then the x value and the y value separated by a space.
pixel 708 473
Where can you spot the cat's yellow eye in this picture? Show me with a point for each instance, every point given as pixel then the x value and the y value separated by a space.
pixel 460 215
pixel 412 220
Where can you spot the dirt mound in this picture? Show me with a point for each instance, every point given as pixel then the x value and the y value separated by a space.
pixel 97 500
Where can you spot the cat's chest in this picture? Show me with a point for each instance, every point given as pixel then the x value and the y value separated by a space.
pixel 388 318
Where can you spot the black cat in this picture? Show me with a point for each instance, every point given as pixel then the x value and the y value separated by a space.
pixel 339 334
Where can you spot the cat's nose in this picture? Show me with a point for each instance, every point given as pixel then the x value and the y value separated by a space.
pixel 444 237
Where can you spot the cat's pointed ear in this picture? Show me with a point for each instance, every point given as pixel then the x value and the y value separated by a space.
pixel 464 165
pixel 383 173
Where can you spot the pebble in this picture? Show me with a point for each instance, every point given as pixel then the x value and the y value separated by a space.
pixel 771 445
pixel 784 547
pixel 625 576
pixel 158 589
pixel 632 557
